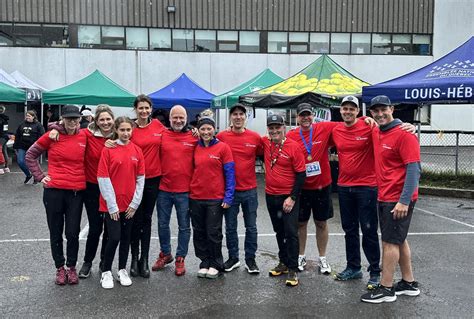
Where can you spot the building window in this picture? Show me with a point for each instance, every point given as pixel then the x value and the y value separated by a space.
pixel 160 39
pixel 249 41
pixel 401 44
pixel 55 36
pixel 381 43
pixel 360 43
pixel 298 42
pixel 277 42
pixel 88 37
pixel 6 35
pixel 113 37
pixel 319 43
pixel 137 38
pixel 340 43
pixel 227 41
pixel 183 40
pixel 27 35
pixel 205 41
pixel 421 44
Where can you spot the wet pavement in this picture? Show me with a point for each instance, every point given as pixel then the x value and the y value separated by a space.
pixel 441 238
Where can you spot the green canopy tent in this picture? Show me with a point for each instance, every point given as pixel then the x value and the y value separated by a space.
pixel 322 83
pixel 262 80
pixel 10 94
pixel 96 88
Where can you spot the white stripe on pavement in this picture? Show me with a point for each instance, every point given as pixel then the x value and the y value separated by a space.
pixel 444 217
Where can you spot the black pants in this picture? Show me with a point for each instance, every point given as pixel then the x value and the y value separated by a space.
pixel 63 212
pixel 141 232
pixel 119 232
pixel 96 223
pixel 285 225
pixel 206 218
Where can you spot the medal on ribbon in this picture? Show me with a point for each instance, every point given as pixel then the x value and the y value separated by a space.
pixel 308 145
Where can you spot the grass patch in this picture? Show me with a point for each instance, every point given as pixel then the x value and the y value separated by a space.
pixel 449 180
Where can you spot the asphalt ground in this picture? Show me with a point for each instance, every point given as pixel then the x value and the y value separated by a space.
pixel 441 238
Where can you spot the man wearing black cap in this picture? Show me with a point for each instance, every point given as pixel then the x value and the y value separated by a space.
pixel 397 166
pixel 314 139
pixel 245 145
pixel 284 176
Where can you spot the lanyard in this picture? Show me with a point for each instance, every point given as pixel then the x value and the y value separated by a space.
pixel 308 145
pixel 274 159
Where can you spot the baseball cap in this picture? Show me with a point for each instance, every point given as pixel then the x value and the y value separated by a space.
pixel 87 113
pixel 70 111
pixel 380 100
pixel 304 107
pixel 350 99
pixel 275 119
pixel 237 106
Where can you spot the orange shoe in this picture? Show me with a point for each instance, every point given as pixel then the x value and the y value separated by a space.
pixel 179 266
pixel 162 261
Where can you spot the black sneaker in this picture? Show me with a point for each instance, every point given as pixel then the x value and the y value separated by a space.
pixel 27 179
pixel 231 264
pixel 379 295
pixel 251 266
pixel 292 279
pixel 85 270
pixel 278 270
pixel 407 288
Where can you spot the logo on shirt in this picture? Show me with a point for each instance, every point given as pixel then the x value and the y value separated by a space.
pixel 188 144
pixel 214 157
pixel 156 134
pixel 82 145
pixel 386 146
pixel 317 142
pixel 360 138
pixel 133 158
pixel 285 156
pixel 250 145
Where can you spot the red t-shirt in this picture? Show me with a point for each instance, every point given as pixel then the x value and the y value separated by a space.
pixel 148 138
pixel 94 147
pixel 177 150
pixel 394 149
pixel 65 160
pixel 319 152
pixel 245 146
pixel 208 180
pixel 122 165
pixel 356 154
pixel 280 178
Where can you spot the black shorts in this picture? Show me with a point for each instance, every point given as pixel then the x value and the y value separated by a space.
pixel 394 231
pixel 318 201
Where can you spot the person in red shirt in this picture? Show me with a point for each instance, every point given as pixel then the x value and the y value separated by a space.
pixel 147 135
pixel 314 139
pixel 397 167
pixel 212 191
pixel 97 133
pixel 64 186
pixel 177 150
pixel 245 145
pixel 285 175
pixel 121 177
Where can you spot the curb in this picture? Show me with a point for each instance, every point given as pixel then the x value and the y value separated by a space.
pixel 447 192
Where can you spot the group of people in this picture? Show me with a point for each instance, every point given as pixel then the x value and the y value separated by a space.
pixel 121 169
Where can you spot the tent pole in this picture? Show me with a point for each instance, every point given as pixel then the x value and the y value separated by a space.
pixel 364 109
pixel 420 106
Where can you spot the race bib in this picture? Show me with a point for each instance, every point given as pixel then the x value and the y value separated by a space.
pixel 313 169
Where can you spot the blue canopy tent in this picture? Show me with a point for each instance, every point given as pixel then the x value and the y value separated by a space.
pixel 183 91
pixel 449 79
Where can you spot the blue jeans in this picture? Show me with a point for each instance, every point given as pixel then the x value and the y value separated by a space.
pixel 249 202
pixel 164 206
pixel 358 205
pixel 20 157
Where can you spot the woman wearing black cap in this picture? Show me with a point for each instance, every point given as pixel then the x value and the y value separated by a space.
pixel 63 190
pixel 212 191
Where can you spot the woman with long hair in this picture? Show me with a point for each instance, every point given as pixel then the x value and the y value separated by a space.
pixel 64 186
pixel 26 135
pixel 121 177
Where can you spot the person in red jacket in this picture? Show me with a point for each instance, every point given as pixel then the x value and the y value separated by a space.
pixel 63 190
pixel 245 145
pixel 121 177
pixel 147 135
pixel 99 131
pixel 212 191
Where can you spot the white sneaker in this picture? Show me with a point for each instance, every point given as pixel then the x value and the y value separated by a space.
pixel 202 272
pixel 212 273
pixel 124 278
pixel 2 171
pixel 6 170
pixel 107 280
pixel 301 262
pixel 324 266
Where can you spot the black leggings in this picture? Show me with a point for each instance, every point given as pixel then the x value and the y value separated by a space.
pixel 63 212
pixel 118 232
pixel 141 230
pixel 96 223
